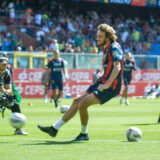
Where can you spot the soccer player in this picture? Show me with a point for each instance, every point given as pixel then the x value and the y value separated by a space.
pixel 106 87
pixel 128 66
pixel 5 88
pixel 9 66
pixel 54 73
pixel 153 92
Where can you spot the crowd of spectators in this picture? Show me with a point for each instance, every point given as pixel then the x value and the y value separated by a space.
pixel 76 31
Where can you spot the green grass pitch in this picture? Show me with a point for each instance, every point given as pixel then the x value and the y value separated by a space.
pixel 107 131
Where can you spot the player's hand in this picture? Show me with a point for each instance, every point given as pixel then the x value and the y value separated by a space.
pixel 47 84
pixel 2 90
pixel 101 87
pixel 66 77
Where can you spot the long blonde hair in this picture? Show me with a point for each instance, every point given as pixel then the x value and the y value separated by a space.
pixel 109 31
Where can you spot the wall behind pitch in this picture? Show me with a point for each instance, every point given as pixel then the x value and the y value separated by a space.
pixel 28 82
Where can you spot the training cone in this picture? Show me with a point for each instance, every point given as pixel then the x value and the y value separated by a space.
pixel 30 104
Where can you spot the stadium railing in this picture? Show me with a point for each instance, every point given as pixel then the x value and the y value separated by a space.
pixel 75 61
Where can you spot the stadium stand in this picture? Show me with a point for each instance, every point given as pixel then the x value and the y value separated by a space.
pixel 74 26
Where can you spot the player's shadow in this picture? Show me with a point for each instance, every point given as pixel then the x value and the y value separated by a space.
pixel 140 124
pixel 54 143
pixel 4 142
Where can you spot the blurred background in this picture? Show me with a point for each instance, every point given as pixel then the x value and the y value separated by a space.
pixel 28 27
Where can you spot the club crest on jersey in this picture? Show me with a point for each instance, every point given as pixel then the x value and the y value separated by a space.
pixel 115 53
pixel 96 92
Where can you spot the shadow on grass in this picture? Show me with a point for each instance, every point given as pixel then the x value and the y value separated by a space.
pixel 4 142
pixel 7 135
pixel 54 143
pixel 141 124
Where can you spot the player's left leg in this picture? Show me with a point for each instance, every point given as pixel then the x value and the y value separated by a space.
pixel 125 94
pixel 54 95
pixel 158 119
pixel 54 91
pixel 59 92
pixel 59 95
pixel 84 116
pixel 46 94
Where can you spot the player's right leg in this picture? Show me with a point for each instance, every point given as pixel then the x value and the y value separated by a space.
pixel 52 130
pixel 46 94
pixel 84 116
pixel 125 91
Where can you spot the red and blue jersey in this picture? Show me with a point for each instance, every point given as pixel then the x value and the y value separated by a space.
pixel 56 66
pixel 111 54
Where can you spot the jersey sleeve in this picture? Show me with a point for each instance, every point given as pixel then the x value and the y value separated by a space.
pixel 117 54
pixel 49 65
pixel 63 63
pixel 134 65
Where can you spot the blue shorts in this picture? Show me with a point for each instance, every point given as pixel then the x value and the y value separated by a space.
pixel 57 84
pixel 127 80
pixel 105 95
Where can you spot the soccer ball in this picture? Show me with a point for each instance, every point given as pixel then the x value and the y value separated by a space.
pixel 64 108
pixel 133 134
pixel 17 120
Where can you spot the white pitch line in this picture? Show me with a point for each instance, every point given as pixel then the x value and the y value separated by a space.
pixel 61 140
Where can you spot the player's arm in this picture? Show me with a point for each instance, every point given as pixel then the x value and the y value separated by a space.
pixel 114 73
pixel 12 75
pixel 6 89
pixel 65 72
pixel 64 69
pixel 134 66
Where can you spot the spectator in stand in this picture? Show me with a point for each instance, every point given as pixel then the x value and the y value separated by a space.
pixel 12 14
pixel 23 6
pixel 13 38
pixel 69 48
pixel 3 10
pixel 54 46
pixel 78 27
pixel 27 19
pixel 1 41
pixel 6 45
pixel 45 29
pixel 38 19
pixel 30 48
pixel 40 37
pixel 18 16
pixel 94 48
